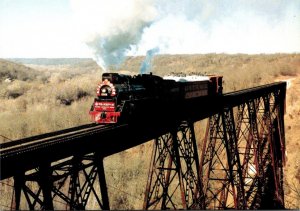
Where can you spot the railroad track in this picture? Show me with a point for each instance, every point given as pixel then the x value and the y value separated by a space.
pixel 41 141
pixel 28 139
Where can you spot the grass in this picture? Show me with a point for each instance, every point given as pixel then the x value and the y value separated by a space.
pixel 34 102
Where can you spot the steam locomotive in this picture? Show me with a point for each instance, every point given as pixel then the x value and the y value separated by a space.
pixel 118 95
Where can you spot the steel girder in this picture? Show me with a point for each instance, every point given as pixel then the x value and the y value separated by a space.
pixel 68 184
pixel 220 168
pixel 242 156
pixel 173 181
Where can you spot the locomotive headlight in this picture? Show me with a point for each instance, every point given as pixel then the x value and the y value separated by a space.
pixel 103 92
pixel 106 90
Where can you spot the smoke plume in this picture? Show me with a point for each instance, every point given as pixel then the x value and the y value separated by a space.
pixel 116 29
pixel 111 28
pixel 146 65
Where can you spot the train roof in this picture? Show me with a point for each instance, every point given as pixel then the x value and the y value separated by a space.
pixel 187 78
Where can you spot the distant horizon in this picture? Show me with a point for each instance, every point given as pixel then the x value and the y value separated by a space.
pixel 250 54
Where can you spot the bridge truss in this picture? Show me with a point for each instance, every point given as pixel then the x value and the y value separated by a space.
pixel 238 165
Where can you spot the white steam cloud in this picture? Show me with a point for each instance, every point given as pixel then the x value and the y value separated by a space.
pixel 111 28
pixel 114 29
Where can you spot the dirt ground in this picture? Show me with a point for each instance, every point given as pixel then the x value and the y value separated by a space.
pixel 292 135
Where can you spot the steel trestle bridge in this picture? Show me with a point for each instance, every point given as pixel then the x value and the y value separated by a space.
pixel 238 165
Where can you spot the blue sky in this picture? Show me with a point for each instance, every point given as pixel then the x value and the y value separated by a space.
pixel 112 29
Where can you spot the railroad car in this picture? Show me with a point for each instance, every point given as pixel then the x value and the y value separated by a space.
pixel 117 94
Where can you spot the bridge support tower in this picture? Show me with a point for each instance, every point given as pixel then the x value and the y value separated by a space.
pixel 240 164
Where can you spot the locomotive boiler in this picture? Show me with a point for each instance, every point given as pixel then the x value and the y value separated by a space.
pixel 117 94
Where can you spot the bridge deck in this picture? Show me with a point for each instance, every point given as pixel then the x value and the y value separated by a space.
pixel 151 122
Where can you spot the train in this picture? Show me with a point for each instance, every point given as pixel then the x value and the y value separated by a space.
pixel 118 94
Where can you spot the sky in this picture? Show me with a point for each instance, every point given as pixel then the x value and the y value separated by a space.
pixel 39 28
pixel 109 30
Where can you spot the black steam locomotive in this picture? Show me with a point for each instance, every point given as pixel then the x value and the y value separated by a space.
pixel 117 94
